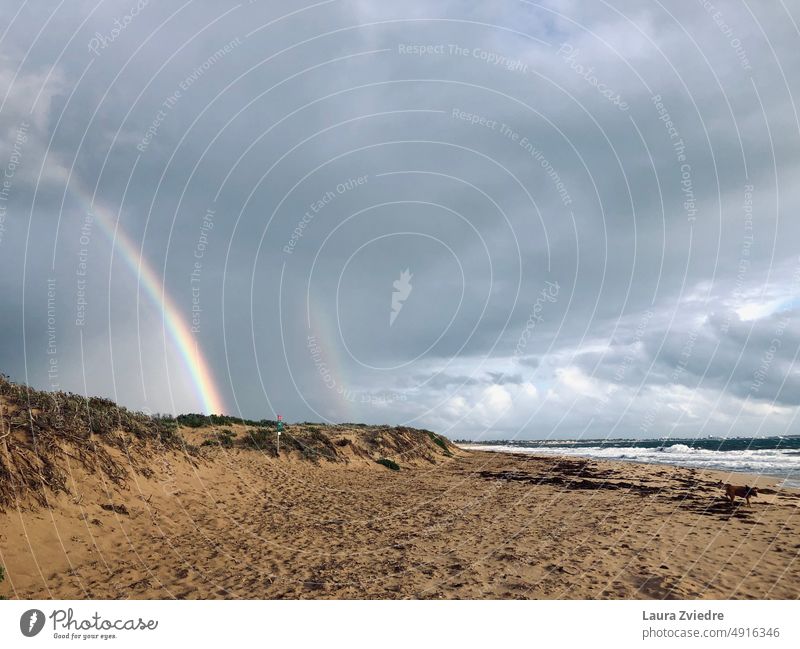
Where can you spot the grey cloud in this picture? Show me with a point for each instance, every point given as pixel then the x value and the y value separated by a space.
pixel 482 218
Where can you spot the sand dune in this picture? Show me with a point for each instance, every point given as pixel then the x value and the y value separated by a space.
pixel 187 520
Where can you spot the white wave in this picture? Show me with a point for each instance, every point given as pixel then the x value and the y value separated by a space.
pixel 774 462
pixel 678 448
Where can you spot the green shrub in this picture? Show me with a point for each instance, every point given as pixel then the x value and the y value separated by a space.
pixel 389 464
pixel 226 438
pixel 439 442
pixel 223 438
pixel 194 420
pixel 262 439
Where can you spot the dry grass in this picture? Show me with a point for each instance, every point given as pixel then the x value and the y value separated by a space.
pixel 43 435
pixel 40 432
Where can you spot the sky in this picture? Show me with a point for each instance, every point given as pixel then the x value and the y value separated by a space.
pixel 517 219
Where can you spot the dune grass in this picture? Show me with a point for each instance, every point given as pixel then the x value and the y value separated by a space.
pixel 440 443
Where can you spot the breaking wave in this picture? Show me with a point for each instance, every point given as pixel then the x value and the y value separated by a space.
pixel 778 462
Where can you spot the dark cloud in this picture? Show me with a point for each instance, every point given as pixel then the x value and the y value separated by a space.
pixel 573 265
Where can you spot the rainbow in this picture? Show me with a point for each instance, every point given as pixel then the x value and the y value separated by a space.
pixel 325 331
pixel 175 323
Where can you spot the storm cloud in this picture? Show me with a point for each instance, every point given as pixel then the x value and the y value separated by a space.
pixel 492 220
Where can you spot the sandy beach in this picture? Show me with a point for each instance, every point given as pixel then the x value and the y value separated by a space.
pixel 238 523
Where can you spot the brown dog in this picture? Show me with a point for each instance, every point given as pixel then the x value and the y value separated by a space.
pixel 745 492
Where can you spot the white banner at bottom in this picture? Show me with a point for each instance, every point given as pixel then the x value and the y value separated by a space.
pixel 407 624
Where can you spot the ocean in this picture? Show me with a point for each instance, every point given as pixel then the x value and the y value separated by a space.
pixel 773 456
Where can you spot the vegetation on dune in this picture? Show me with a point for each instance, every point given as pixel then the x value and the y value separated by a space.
pixel 194 420
pixel 223 438
pixel 389 464
pixel 226 436
pixel 44 436
pixel 439 441
pixel 312 444
pixel 42 431
pixel 262 439
pixel 2 577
